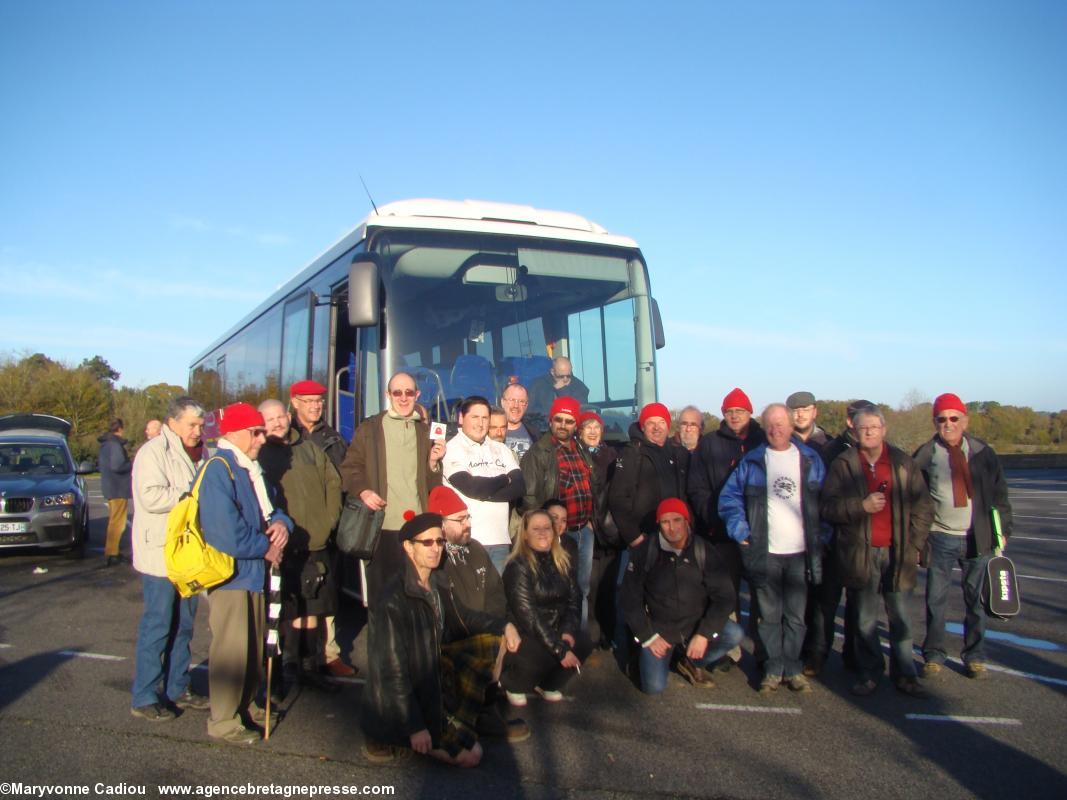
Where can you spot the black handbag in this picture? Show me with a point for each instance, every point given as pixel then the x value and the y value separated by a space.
pixel 1000 593
pixel 359 529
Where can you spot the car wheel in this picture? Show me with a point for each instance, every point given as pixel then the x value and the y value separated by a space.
pixel 81 537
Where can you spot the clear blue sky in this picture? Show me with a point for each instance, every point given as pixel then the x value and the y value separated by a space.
pixel 859 199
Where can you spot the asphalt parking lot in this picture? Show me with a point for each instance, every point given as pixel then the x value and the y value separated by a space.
pixel 67 637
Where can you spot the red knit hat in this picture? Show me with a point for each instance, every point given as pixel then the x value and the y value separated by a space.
pixel 654 410
pixel 736 399
pixel 307 387
pixel 444 501
pixel 565 405
pixel 239 417
pixel 672 505
pixel 590 416
pixel 949 402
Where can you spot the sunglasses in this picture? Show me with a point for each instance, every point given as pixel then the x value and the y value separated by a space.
pixel 440 542
pixel 943 420
pixel 564 421
pixel 403 392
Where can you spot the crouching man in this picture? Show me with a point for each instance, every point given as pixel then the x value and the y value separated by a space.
pixel 426 652
pixel 677 597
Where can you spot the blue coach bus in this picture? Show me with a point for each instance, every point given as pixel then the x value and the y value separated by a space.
pixel 467 296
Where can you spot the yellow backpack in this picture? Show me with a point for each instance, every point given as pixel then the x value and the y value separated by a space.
pixel 192 564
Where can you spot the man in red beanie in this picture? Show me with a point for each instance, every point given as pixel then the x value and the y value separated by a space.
pixel 308 399
pixel 476 585
pixel 238 517
pixel 968 488
pixel 560 466
pixel 716 455
pixel 649 469
pixel 677 599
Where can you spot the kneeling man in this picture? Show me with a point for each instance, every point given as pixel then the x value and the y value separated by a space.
pixel 677 597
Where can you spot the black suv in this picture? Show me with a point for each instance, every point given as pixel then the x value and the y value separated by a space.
pixel 43 502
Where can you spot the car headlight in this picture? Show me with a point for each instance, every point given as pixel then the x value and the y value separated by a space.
pixel 58 500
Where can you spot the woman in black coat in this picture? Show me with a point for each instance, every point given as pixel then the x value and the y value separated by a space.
pixel 545 605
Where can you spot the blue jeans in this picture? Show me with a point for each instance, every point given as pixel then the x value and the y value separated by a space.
pixel 162 642
pixel 865 601
pixel 782 599
pixel 498 554
pixel 946 551
pixel 584 539
pixel 654 670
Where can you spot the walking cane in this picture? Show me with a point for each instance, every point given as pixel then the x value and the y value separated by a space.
pixel 274 613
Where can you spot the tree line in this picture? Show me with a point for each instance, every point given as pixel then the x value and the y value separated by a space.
pixel 87 395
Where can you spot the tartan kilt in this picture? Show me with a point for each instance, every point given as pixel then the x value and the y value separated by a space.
pixel 466 673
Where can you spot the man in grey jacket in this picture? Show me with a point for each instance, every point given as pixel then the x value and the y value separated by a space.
pixel 162 472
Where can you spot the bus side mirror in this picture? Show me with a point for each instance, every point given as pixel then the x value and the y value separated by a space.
pixel 363 283
pixel 657 326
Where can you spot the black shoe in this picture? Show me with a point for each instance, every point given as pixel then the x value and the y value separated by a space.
pixel 153 712
pixel 192 700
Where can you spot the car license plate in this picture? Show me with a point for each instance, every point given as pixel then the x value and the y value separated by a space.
pixel 12 527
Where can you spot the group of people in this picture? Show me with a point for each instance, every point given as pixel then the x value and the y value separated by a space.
pixel 508 555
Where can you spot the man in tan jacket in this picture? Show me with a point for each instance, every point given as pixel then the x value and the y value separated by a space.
pixel 162 472
pixel 392 465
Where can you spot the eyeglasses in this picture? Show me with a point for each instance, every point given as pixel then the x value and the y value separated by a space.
pixel 460 520
pixel 568 421
pixel 311 401
pixel 943 420
pixel 403 392
pixel 439 542
pixel 257 432
pixel 869 428
pixel 688 424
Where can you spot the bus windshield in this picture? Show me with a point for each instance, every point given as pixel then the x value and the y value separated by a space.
pixel 469 314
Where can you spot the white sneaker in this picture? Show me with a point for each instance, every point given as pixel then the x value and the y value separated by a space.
pixel 516 698
pixel 549 695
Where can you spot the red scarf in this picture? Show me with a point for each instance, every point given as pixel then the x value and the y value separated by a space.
pixel 962 488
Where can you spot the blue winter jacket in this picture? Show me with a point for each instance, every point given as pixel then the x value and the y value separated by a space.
pixel 743 508
pixel 232 523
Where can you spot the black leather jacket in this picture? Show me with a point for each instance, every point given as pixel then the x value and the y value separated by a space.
pixel 544 604
pixel 403 694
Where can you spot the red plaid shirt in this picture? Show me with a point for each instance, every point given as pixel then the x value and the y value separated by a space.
pixel 575 489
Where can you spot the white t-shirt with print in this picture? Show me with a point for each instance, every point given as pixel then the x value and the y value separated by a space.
pixel 785 518
pixel 489 520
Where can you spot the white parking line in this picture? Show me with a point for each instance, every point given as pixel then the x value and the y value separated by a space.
pixel 1030 577
pixel 752 709
pixel 6 646
pixel 1033 516
pixel 1037 539
pixel 964 720
pixel 97 656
